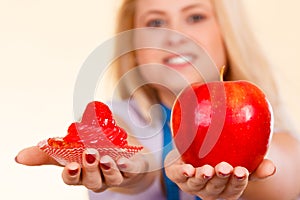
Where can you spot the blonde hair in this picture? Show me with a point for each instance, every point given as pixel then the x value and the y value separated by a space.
pixel 246 61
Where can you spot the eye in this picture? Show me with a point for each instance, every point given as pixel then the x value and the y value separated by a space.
pixel 156 23
pixel 195 18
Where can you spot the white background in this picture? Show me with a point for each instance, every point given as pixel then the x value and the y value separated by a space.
pixel 42 46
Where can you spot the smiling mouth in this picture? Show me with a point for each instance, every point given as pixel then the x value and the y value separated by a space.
pixel 179 60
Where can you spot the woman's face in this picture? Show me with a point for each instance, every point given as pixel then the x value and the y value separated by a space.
pixel 196 21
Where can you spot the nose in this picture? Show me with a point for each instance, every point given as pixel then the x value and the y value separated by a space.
pixel 175 38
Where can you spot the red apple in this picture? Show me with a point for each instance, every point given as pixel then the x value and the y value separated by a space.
pixel 219 121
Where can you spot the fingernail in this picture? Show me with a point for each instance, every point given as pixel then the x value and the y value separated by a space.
pixel 206 177
pixel 16 159
pixel 223 175
pixel 90 158
pixel 186 174
pixel 105 162
pixel 105 166
pixel 239 177
pixel 121 164
pixel 275 169
pixel 239 174
pixel 73 172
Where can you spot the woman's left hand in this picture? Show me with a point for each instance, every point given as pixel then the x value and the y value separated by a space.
pixel 207 182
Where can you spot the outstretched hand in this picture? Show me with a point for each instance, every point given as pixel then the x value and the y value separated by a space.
pixel 96 173
pixel 207 182
pixel 99 173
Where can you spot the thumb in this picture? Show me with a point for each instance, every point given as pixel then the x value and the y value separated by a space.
pixel 264 170
pixel 33 156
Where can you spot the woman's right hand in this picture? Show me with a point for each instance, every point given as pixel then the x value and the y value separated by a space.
pixel 96 173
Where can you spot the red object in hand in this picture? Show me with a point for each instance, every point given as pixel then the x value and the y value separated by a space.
pixel 97 130
pixel 222 121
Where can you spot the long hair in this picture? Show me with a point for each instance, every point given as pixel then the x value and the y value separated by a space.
pixel 246 60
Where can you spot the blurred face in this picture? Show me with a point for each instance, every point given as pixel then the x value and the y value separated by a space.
pixel 188 31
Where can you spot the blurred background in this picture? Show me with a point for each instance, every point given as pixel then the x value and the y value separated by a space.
pixel 42 47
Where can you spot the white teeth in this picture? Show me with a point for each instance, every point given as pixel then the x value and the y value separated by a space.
pixel 180 60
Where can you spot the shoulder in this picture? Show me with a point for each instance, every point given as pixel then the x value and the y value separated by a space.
pixel 284 144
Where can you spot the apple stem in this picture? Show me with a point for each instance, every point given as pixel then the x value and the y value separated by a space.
pixel 222 73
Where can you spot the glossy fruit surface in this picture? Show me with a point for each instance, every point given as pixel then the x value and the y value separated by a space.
pixel 97 130
pixel 222 121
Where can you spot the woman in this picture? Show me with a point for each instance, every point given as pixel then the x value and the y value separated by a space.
pixel 218 27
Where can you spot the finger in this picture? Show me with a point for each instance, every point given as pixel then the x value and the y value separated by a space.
pixel 202 176
pixel 91 175
pixel 237 183
pixel 176 170
pixel 71 174
pixel 264 170
pixel 134 166
pixel 110 171
pixel 179 173
pixel 33 156
pixel 218 183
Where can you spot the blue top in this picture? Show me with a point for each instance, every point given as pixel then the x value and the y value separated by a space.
pixel 172 190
